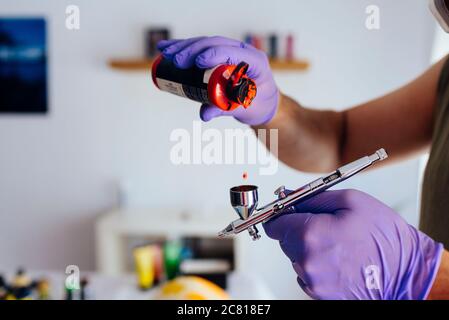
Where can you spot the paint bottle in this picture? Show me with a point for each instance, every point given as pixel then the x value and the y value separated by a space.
pixel 289 55
pixel 225 86
pixel 273 46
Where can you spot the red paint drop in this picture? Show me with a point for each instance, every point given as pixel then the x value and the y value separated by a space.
pixel 245 175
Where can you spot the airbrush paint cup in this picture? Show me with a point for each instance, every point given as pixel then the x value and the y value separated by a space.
pixel 244 200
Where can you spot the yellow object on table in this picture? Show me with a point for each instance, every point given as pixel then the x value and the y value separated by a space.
pixel 191 288
pixel 144 260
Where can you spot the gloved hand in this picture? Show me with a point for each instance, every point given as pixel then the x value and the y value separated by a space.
pixel 208 52
pixel 347 245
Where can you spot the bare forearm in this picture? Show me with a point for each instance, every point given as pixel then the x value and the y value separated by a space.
pixel 318 141
pixel 440 288
pixel 309 140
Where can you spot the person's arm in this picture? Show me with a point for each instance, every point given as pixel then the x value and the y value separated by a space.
pixel 400 122
pixel 312 140
pixel 440 288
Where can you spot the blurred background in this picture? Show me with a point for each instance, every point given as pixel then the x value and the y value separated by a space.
pixel 85 174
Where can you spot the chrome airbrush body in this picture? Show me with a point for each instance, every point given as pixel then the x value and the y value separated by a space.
pixel 244 199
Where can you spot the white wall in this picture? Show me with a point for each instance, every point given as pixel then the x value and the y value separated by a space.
pixel 441 44
pixel 57 172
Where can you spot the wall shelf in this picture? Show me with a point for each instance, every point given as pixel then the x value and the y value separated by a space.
pixel 145 64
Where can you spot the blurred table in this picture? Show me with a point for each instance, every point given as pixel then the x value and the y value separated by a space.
pixel 113 228
pixel 124 287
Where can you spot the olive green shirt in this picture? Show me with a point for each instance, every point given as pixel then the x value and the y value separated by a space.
pixel 435 191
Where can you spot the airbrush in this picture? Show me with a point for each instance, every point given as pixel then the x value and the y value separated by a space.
pixel 244 199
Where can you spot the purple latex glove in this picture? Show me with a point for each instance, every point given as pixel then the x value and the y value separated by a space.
pixel 208 52
pixel 347 245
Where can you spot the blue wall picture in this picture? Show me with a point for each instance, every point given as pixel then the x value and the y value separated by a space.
pixel 23 65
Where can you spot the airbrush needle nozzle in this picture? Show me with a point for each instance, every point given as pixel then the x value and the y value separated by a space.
pixel 226 231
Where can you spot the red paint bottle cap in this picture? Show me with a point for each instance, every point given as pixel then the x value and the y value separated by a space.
pixel 241 89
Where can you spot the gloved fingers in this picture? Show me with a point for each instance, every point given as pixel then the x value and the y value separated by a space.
pixel 279 227
pixel 306 205
pixel 170 51
pixel 214 56
pixel 325 202
pixel 303 280
pixel 185 58
pixel 163 44
pixel 209 112
pixel 306 289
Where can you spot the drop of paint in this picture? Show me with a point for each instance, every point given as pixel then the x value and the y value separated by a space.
pixel 245 175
